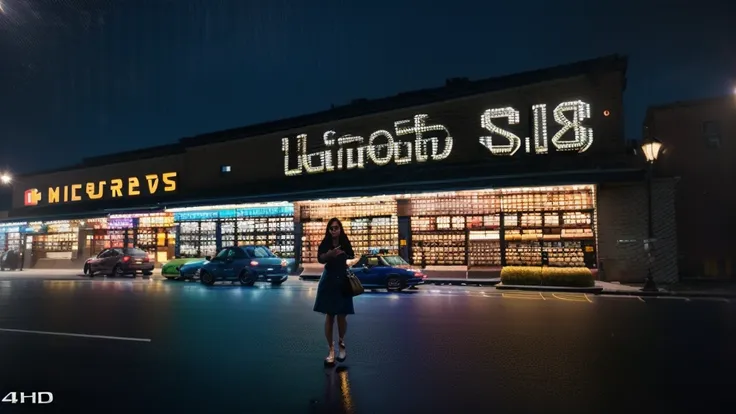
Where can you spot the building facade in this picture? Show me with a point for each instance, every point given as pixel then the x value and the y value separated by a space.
pixel 528 169
pixel 700 146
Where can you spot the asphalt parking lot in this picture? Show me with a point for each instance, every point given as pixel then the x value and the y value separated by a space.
pixel 152 345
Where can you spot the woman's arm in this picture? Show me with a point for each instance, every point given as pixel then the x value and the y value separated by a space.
pixel 349 251
pixel 323 253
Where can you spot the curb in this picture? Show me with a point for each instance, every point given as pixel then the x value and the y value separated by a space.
pixel 670 293
pixel 595 290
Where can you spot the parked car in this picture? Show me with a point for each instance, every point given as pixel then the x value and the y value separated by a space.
pixel 246 264
pixel 173 268
pixel 190 271
pixel 119 262
pixel 10 259
pixel 383 271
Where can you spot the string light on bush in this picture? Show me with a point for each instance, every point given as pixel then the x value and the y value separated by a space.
pixel 486 121
pixel 583 135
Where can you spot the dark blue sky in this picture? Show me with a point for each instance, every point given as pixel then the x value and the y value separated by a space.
pixel 83 78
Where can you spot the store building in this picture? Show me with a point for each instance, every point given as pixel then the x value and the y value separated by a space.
pixel 524 169
pixel 700 148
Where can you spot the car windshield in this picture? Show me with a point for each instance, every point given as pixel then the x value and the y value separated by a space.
pixel 394 260
pixel 259 251
pixel 134 252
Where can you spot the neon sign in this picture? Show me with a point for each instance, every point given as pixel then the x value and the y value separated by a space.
pixel 434 142
pixel 149 184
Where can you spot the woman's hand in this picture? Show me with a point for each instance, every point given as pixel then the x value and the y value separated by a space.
pixel 336 251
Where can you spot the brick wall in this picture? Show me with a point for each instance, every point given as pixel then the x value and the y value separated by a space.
pixel 623 227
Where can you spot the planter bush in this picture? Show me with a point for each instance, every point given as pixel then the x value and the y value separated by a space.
pixel 547 276
pixel 521 275
pixel 567 276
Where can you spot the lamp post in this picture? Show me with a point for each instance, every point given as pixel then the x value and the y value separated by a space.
pixel 651 148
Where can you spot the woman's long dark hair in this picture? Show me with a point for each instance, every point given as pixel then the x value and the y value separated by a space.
pixel 343 238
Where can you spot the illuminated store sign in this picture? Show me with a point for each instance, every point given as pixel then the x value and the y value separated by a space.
pixel 434 142
pixel 261 211
pixel 431 142
pixel 150 184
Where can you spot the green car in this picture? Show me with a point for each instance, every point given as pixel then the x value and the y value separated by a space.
pixel 170 270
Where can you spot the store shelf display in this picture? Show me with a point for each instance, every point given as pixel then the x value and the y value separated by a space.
pixel 368 225
pixel 455 229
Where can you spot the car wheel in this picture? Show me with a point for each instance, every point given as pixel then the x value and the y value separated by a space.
pixel 247 278
pixel 171 277
pixel 147 273
pixel 207 279
pixel 117 271
pixel 394 284
pixel 86 270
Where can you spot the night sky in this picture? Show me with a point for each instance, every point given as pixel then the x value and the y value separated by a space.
pixel 83 78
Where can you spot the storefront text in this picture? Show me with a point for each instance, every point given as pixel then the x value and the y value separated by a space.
pixel 434 142
pixel 150 184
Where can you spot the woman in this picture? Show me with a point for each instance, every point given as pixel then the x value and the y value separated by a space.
pixel 334 251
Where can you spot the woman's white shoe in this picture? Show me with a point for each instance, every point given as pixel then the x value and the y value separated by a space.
pixel 330 360
pixel 343 353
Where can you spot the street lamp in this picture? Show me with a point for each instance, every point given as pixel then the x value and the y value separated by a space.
pixel 6 178
pixel 651 148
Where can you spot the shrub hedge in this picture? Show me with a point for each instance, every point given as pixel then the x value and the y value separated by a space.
pixel 547 276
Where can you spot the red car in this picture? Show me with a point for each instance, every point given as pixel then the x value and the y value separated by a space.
pixel 119 262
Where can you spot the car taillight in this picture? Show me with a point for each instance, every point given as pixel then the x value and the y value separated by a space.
pixel 284 263
pixel 146 259
pixel 126 258
pixel 422 275
pixel 254 263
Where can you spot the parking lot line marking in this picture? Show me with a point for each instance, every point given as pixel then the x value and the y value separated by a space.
pixel 519 295
pixel 673 297
pixel 570 297
pixel 117 338
pixel 587 298
pixel 624 297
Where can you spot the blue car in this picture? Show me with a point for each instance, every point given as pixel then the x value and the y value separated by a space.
pixel 247 264
pixel 383 271
pixel 189 270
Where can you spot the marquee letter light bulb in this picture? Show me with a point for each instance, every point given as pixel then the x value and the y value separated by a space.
pixel 328 138
pixel 486 121
pixel 420 145
pixel 540 129
pixel 307 158
pixel 583 135
pixel 289 171
pixel 353 162
pixel 374 150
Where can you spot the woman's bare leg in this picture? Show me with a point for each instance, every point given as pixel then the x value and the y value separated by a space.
pixel 329 323
pixel 342 326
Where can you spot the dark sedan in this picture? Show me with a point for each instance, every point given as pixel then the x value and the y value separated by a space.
pixel 248 264
pixel 119 262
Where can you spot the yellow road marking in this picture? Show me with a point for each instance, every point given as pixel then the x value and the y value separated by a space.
pixel 523 295
pixel 571 297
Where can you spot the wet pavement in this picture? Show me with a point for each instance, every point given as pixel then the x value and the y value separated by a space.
pixel 162 346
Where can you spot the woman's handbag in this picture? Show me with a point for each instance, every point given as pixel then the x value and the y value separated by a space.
pixel 351 284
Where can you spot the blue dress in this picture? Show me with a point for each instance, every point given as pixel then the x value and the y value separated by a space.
pixel 330 297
